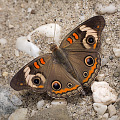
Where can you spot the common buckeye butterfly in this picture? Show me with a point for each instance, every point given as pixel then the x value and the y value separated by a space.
pixel 69 68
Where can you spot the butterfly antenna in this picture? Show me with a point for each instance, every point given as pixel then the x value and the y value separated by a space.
pixel 54 31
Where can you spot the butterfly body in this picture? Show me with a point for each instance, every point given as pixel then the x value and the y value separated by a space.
pixel 70 67
pixel 60 57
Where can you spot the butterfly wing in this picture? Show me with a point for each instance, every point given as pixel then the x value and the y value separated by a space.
pixel 85 36
pixel 81 46
pixel 33 75
pixel 44 75
pixel 61 83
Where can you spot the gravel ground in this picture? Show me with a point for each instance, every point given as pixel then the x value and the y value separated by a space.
pixel 16 20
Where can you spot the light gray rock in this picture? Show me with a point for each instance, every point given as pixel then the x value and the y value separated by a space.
pixel 15 100
pixel 114 118
pixel 6 106
pixel 112 110
pixel 103 93
pixel 105 116
pixel 100 108
pixel 59 102
pixel 104 61
pixel 40 104
pixel 116 52
pixel 19 114
pixel 52 113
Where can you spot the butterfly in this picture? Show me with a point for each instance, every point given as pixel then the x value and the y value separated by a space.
pixel 69 68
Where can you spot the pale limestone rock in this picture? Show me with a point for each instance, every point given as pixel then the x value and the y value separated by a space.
pixel 112 110
pixel 5 74
pixel 51 30
pixel 100 108
pixel 105 116
pixel 3 41
pixel 24 45
pixel 40 104
pixel 114 118
pixel 59 102
pixel 105 9
pixel 116 52
pixel 103 93
pixel 19 114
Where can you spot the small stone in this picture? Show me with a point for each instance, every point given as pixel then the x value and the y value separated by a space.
pixel 33 12
pixel 16 52
pixel 6 106
pixel 3 41
pixel 100 77
pixel 116 74
pixel 40 104
pixel 103 93
pixel 59 102
pixel 33 113
pixel 103 61
pixel 29 10
pixel 116 52
pixel 19 114
pixel 15 100
pixel 9 62
pixel 5 74
pixel 112 110
pixel 0 55
pixel 100 108
pixel 105 116
pixel 111 57
pixel 114 118
pixel 11 26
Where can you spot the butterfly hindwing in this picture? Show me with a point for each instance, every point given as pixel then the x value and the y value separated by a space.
pixel 61 83
pixel 86 64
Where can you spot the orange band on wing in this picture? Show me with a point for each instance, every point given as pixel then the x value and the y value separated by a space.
pixel 94 46
pixel 98 26
pixel 36 65
pixel 66 90
pixel 41 86
pixel 42 61
pixel 90 71
pixel 70 40
pixel 75 35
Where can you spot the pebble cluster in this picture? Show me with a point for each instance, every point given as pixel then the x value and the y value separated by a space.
pixel 27 27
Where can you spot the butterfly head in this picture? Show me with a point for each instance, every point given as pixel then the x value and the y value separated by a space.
pixel 53 47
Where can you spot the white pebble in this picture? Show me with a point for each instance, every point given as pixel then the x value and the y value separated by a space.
pixel 40 104
pixel 105 116
pixel 29 10
pixel 112 110
pixel 106 9
pixel 116 52
pixel 0 55
pixel 51 30
pixel 19 114
pixel 103 93
pixel 5 74
pixel 28 47
pixel 104 61
pixel 33 113
pixel 11 26
pixel 16 52
pixel 114 118
pixel 3 41
pixel 100 108
pixel 100 77
pixel 59 102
